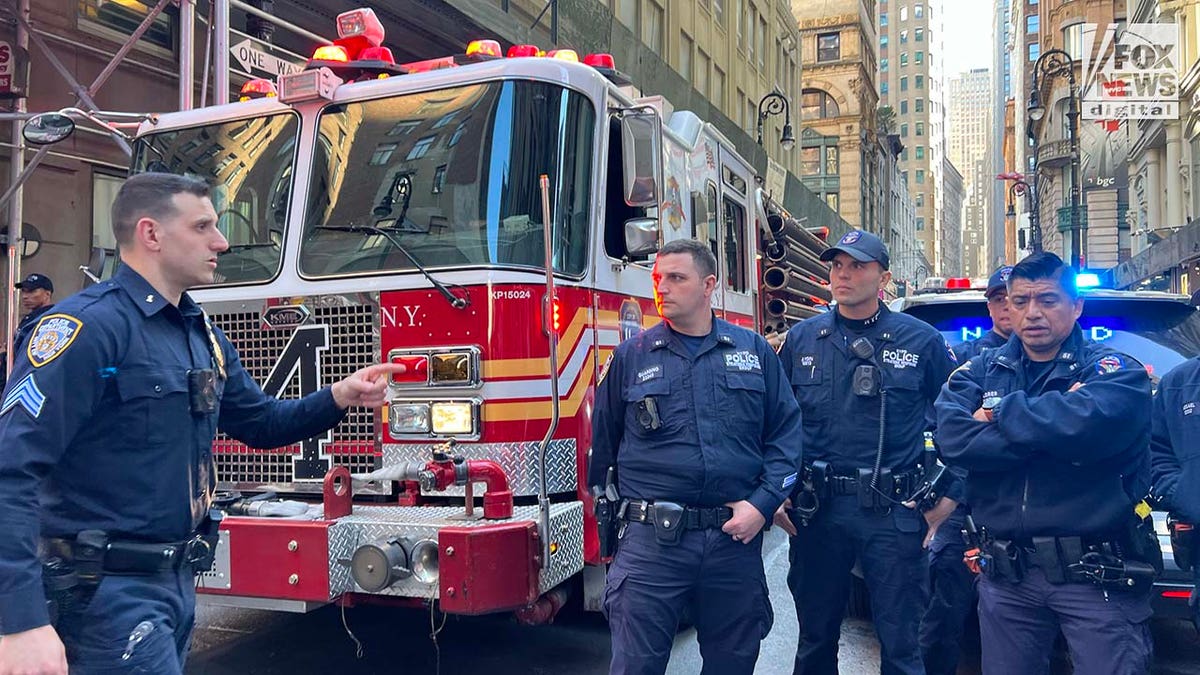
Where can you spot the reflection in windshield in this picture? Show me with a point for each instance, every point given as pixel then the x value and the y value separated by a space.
pixel 453 175
pixel 248 164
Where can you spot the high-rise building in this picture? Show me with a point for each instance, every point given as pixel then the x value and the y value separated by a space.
pixel 970 135
pixel 910 84
pixel 1002 93
pixel 950 245
pixel 840 149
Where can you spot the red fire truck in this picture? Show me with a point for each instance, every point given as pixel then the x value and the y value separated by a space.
pixel 410 213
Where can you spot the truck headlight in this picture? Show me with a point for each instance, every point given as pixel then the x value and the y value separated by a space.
pixel 458 367
pixel 453 417
pixel 409 418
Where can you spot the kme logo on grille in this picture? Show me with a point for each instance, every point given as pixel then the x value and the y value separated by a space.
pixel 284 316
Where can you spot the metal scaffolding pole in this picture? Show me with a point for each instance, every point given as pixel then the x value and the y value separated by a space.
pixel 220 20
pixel 16 168
pixel 187 55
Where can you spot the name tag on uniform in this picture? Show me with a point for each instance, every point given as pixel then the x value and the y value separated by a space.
pixel 743 362
pixel 647 374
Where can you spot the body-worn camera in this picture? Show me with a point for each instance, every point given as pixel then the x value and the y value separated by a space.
pixel 202 391
pixel 866 380
pixel 647 414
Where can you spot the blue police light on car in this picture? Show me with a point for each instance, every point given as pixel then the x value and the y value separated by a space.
pixel 1087 280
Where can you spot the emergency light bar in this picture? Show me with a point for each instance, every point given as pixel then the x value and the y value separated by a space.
pixel 1087 280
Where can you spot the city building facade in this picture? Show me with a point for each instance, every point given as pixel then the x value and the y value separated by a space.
pixel 910 72
pixel 970 136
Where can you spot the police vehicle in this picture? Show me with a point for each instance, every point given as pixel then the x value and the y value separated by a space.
pixel 1162 330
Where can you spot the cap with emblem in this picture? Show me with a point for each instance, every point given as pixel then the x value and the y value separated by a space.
pixel 998 281
pixel 860 245
pixel 35 281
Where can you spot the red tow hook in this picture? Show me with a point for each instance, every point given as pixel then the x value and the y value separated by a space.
pixel 446 470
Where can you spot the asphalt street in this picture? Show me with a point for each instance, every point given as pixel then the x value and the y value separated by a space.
pixel 247 642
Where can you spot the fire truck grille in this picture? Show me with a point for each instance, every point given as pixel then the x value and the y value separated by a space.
pixel 353 344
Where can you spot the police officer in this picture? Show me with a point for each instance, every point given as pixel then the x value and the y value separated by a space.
pixel 1054 433
pixel 107 430
pixel 1174 462
pixel 37 292
pixel 865 378
pixel 951 584
pixel 696 418
pixel 997 306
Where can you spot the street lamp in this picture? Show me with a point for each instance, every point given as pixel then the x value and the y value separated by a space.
pixel 1051 64
pixel 775 103
pixel 1016 189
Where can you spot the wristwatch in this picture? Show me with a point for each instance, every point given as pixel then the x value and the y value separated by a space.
pixel 989 405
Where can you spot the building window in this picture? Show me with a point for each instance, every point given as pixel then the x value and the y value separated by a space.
pixel 831 198
pixel 904 131
pixel 383 153
pixel 920 105
pixel 904 155
pixel 458 132
pixel 920 176
pixel 1034 50
pixel 920 202
pixel 920 57
pixel 685 56
pixel 919 34
pixel 831 161
pixel 920 128
pixel 903 59
pixel 883 65
pixel 439 179
pixel 739 15
pixel 883 41
pixel 904 84
pixel 652 31
pixel 627 13
pixel 920 152
pixel 817 104
pixel 904 107
pixel 903 37
pixel 703 66
pixel 883 87
pixel 420 148
pixel 124 17
pixel 1073 40
pixel 904 13
pixel 810 161
pixel 920 224
pixel 918 11
pixel 719 87
pixel 829 47
pixel 403 128
pixel 762 42
pixel 883 19
pixel 1031 24
pixel 904 176
pixel 920 83
pixel 718 8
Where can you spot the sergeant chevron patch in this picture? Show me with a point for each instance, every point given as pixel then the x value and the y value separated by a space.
pixel 25 394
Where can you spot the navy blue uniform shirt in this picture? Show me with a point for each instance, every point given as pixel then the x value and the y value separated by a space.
pixel 1175 441
pixel 842 427
pixel 96 431
pixel 730 429
pixel 1053 462
pixel 965 351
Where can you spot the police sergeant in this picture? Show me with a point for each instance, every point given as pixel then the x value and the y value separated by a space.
pixel 1053 431
pixel 1174 462
pixel 694 418
pixel 865 378
pixel 106 432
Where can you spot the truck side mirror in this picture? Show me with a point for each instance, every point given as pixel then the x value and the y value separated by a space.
pixel 641 157
pixel 47 128
pixel 641 237
pixel 94 270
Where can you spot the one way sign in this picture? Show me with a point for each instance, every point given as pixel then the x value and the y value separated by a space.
pixel 252 57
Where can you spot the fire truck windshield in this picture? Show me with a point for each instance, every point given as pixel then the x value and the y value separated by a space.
pixel 452 175
pixel 248 163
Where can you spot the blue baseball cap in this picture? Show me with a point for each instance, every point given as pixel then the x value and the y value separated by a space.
pixel 860 245
pixel 998 281
pixel 34 281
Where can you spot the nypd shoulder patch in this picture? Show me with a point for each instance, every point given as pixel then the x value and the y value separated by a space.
pixel 25 394
pixel 51 337
pixel 605 367
pixel 1109 364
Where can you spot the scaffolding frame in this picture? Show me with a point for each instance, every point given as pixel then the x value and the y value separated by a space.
pixel 217 38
